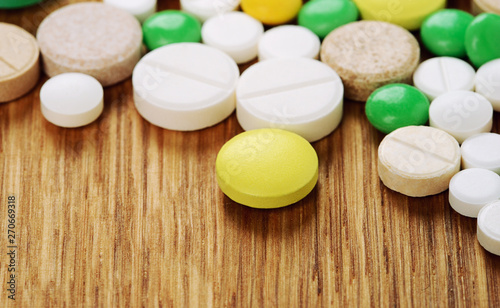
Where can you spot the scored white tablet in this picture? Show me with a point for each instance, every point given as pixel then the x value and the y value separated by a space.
pixel 301 95
pixel 185 86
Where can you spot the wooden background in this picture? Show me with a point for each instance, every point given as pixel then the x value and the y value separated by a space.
pixel 123 213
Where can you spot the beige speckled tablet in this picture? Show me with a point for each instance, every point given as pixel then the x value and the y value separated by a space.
pixel 370 54
pixel 19 65
pixel 481 6
pixel 418 161
pixel 91 38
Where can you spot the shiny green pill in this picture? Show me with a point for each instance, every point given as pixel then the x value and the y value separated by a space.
pixel 443 33
pixel 482 39
pixel 171 26
pixel 397 105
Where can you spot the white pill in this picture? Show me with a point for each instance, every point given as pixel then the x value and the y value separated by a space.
pixel 289 41
pixel 488 82
pixel 488 227
pixel 185 86
pixel 235 33
pixel 141 9
pixel 444 74
pixel 418 161
pixel 482 151
pixel 471 189
pixel 71 99
pixel 461 114
pixel 204 9
pixel 300 95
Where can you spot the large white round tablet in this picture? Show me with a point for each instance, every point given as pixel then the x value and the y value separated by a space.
pixel 488 82
pixel 300 95
pixel 71 99
pixel 185 86
pixel 444 74
pixel 471 189
pixel 289 41
pixel 235 33
pixel 141 9
pixel 488 227
pixel 461 114
pixel 204 9
pixel 482 151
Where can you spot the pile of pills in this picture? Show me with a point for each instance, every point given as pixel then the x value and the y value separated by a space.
pixel 189 80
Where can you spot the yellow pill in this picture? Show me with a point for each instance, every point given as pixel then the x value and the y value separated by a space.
pixel 408 14
pixel 272 12
pixel 267 168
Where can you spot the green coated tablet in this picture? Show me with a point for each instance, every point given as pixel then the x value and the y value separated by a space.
pixel 15 4
pixel 171 26
pixel 481 39
pixel 267 168
pixel 397 105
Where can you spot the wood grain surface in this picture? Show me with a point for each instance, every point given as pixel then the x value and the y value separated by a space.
pixel 123 213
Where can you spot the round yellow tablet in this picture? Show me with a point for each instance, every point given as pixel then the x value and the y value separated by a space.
pixel 267 168
pixel 408 14
pixel 272 12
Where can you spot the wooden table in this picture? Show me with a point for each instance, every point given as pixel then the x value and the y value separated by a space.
pixel 123 213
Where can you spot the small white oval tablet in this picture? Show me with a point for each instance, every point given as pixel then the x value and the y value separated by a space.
pixel 488 82
pixel 482 151
pixel 185 86
pixel 141 9
pixel 71 99
pixel 235 33
pixel 300 95
pixel 471 189
pixel 461 114
pixel 488 227
pixel 204 9
pixel 289 41
pixel 444 74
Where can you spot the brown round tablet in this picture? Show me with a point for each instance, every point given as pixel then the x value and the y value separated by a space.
pixel 370 54
pixel 489 6
pixel 19 66
pixel 91 38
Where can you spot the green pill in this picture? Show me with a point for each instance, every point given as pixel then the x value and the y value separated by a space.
pixel 443 33
pixel 482 39
pixel 171 26
pixel 397 105
pixel 15 4
pixel 323 16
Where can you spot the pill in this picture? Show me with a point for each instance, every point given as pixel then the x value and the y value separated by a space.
pixel 71 99
pixel 397 105
pixel 443 33
pixel 19 62
pixel 185 86
pixel 461 114
pixel 488 227
pixel 272 12
pixel 204 9
pixel 488 82
pixel 439 75
pixel 418 161
pixel 489 6
pixel 91 38
pixel 141 9
pixel 324 16
pixel 481 39
pixel 301 95
pixel 370 54
pixel 289 41
pixel 169 27
pixel 471 189
pixel 267 168
pixel 406 13
pixel 482 151
pixel 15 4
pixel 235 33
